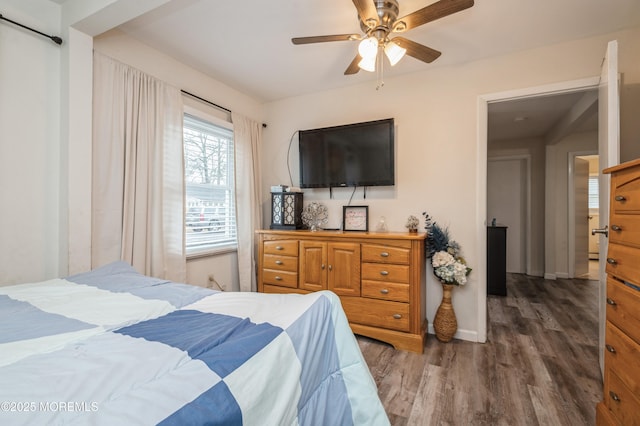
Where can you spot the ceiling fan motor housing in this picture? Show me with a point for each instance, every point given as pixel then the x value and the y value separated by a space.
pixel 387 14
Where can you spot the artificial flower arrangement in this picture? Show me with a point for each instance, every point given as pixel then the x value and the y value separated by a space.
pixel 412 223
pixel 445 254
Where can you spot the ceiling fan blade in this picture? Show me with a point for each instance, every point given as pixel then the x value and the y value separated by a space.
pixel 322 39
pixel 353 67
pixel 367 12
pixel 430 13
pixel 417 50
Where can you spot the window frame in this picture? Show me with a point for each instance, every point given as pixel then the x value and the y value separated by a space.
pixel 210 249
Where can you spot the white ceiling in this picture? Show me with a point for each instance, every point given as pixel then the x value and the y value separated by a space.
pixel 247 44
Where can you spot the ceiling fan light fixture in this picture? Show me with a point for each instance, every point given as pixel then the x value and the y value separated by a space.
pixel 368 48
pixel 394 52
pixel 368 64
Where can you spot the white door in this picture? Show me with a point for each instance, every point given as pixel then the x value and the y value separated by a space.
pixel 581 216
pixel 506 202
pixel 609 152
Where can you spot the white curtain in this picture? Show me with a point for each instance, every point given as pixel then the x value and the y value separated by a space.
pixel 247 139
pixel 138 177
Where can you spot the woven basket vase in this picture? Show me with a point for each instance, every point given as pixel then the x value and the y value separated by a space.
pixel 445 324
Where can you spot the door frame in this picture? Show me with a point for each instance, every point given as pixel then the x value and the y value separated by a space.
pixel 483 102
pixel 571 231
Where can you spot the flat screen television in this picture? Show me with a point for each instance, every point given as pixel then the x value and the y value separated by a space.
pixel 360 154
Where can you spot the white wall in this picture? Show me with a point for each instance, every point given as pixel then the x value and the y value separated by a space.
pixel 29 143
pixel 436 113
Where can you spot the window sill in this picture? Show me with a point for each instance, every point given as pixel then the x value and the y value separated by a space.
pixel 211 252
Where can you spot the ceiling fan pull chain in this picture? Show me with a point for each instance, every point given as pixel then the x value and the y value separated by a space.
pixel 380 69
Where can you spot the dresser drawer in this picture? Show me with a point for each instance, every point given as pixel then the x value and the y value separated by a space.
pixel 385 254
pixel 281 247
pixel 625 192
pixel 281 278
pixel 621 356
pixel 377 313
pixel 624 405
pixel 622 261
pixel 385 272
pixel 625 229
pixel 623 308
pixel 280 263
pixel 385 291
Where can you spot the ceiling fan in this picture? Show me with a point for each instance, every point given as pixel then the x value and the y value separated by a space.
pixel 378 20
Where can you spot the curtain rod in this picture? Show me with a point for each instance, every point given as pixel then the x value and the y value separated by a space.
pixel 56 40
pixel 211 103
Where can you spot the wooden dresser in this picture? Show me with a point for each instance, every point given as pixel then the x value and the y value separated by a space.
pixel 621 399
pixel 379 277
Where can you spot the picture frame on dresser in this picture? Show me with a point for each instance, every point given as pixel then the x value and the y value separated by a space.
pixel 355 218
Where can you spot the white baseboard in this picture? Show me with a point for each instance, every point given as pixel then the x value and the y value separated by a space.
pixel 562 275
pixel 468 335
pixel 550 276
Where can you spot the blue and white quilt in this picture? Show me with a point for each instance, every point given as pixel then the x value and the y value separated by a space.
pixel 114 347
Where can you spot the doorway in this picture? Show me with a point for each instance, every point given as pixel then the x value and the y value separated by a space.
pixel 583 215
pixel 542 227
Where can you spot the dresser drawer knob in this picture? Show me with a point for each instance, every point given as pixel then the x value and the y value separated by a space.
pixel 322 266
pixel 610 348
pixel 278 262
pixel 611 302
pixel 279 248
pixel 611 261
pixel 397 316
pixel 614 396
pixel 620 198
pixel 384 291
pixel 384 254
pixel 384 273
pixel 616 228
pixel 278 278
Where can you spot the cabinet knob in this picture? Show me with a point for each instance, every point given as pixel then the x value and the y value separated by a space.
pixel 322 266
pixel 278 262
pixel 614 396
pixel 278 278
pixel 616 228
pixel 384 291
pixel 279 248
pixel 610 348
pixel 611 261
pixel 330 268
pixel 611 302
pixel 397 316
pixel 620 198
pixel 384 254
pixel 384 273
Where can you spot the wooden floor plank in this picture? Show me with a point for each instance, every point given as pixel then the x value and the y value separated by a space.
pixel 538 367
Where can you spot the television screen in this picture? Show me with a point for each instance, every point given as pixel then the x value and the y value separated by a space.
pixel 360 154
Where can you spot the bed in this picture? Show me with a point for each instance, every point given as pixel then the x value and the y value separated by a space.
pixel 112 346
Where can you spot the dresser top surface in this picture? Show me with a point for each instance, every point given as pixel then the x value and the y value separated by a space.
pixel 346 234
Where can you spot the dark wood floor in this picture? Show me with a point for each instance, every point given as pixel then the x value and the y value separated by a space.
pixel 538 367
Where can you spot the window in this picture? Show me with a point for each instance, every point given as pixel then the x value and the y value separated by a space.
pixel 593 192
pixel 210 218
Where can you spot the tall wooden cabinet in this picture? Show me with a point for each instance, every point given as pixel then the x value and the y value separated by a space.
pixel 621 396
pixel 379 277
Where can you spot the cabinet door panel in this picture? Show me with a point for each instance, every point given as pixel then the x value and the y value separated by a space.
pixel 344 269
pixel 313 265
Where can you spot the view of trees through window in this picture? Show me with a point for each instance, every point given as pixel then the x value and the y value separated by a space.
pixel 208 162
